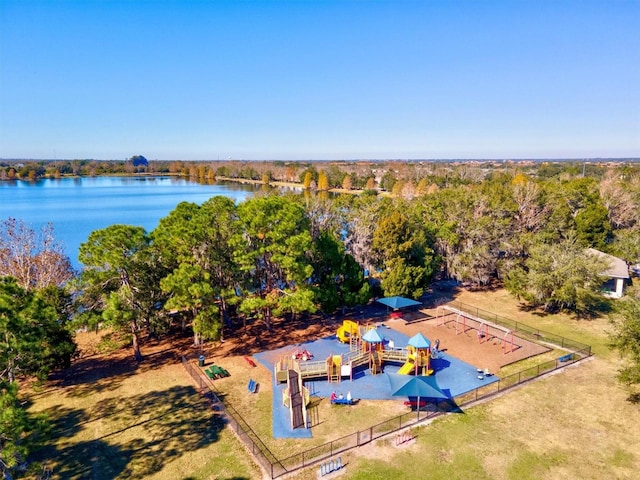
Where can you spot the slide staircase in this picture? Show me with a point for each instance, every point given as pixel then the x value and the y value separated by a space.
pixel 376 363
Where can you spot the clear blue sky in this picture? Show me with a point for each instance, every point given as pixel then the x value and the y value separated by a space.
pixel 311 79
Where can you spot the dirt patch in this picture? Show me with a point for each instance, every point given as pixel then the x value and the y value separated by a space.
pixel 491 351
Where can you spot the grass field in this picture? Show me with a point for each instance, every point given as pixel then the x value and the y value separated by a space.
pixel 149 422
pixel 137 424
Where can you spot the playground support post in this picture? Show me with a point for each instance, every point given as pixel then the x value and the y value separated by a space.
pixel 508 337
pixel 464 323
pixel 483 333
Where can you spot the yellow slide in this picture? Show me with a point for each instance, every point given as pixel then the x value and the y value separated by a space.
pixel 407 368
pixel 349 328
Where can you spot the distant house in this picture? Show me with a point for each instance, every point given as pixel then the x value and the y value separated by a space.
pixel 618 274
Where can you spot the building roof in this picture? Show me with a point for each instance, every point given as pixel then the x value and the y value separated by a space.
pixel 617 267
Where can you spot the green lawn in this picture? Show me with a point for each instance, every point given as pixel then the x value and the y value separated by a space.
pixel 149 422
pixel 138 424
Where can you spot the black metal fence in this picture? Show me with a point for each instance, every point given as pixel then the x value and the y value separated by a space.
pixel 330 449
pixel 245 433
pixel 278 467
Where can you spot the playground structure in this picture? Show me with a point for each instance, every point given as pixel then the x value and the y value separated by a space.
pixel 349 332
pixel 373 347
pixel 417 362
pixel 366 349
pixel 333 368
pixel 485 330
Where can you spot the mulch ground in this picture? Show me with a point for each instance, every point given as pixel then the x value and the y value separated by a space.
pixel 487 353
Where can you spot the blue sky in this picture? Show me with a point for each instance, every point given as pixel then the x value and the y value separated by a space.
pixel 311 79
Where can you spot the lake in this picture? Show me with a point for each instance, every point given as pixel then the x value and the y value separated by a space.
pixel 78 206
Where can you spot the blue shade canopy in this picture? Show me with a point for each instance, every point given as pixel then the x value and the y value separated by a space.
pixel 372 336
pixel 415 386
pixel 398 302
pixel 419 341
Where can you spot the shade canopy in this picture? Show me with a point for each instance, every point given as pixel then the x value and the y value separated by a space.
pixel 397 302
pixel 410 386
pixel 419 341
pixel 372 336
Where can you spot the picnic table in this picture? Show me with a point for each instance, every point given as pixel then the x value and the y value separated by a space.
pixel 216 371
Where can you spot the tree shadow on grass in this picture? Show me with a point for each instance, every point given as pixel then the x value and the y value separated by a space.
pixel 66 422
pixel 103 373
pixel 92 375
pixel 596 311
pixel 136 436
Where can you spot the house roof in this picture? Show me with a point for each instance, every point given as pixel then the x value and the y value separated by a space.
pixel 617 267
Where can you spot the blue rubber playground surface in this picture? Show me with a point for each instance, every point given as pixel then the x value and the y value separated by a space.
pixel 453 376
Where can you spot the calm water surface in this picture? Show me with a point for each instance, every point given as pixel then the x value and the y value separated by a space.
pixel 78 206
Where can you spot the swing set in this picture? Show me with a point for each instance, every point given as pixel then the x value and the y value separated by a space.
pixel 465 322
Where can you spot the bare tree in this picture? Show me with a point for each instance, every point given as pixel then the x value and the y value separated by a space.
pixel 33 258
pixel 622 208
pixel 531 212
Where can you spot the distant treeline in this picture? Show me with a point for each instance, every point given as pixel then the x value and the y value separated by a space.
pixel 402 177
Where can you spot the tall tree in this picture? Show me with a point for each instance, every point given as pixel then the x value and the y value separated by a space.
pixel 337 277
pixel 559 277
pixel 33 339
pixel 323 181
pixel 360 225
pixel 592 226
pixel 20 432
pixel 625 337
pixel 403 254
pixel 324 214
pixel 273 251
pixel 621 201
pixel 115 283
pixel 203 273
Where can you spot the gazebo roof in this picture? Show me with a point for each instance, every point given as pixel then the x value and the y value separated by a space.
pixel 397 302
